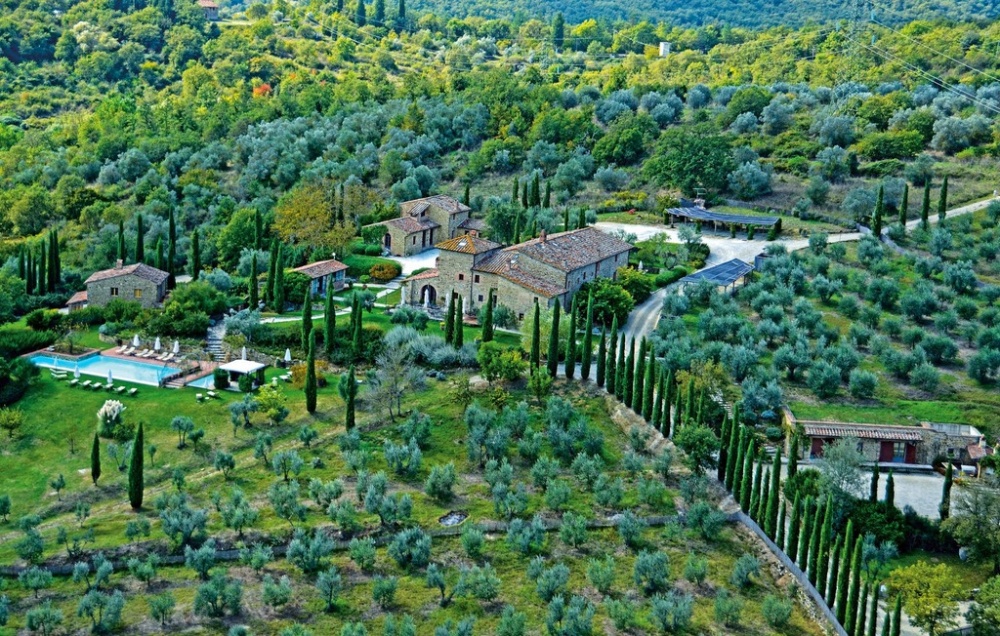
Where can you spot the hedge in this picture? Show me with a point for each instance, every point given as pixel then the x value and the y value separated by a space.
pixel 15 341
pixel 359 265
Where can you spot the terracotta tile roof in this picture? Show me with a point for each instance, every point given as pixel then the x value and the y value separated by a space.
pixel 976 452
pixel 468 245
pixel 77 298
pixel 504 264
pixel 319 269
pixel 572 250
pixel 411 225
pixel 443 201
pixel 473 224
pixel 207 4
pixel 141 270
pixel 431 273
pixel 862 431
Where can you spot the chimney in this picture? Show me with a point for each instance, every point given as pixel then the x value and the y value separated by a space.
pixel 543 235
pixel 118 264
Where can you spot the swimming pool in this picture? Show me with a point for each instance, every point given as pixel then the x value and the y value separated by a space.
pixel 205 382
pixel 121 370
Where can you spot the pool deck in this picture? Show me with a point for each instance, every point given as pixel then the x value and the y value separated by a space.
pixel 203 368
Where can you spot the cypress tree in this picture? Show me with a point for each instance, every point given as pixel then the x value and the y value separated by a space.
pixel 350 394
pixel 356 339
pixel 581 218
pixel 640 378
pixel 873 612
pixel 886 624
pixel 823 557
pixel 570 363
pixel 310 387
pixel 558 31
pixel 671 389
pixel 611 366
pixel 873 488
pixel 859 621
pixel 657 414
pixel 879 211
pixel 536 337
pixel 159 254
pixel 732 453
pixel 620 370
pixel 689 402
pixel 736 477
pixel 844 578
pixel 758 481
pixel 547 202
pixel 55 268
pixel 135 468
pixel 43 279
pixel 449 321
pixel 487 334
pixel 465 199
pixel 95 459
pixel 700 417
pixel 724 440
pixel 630 362
pixel 805 534
pixel 566 219
pixel 122 253
pixel 379 12
pixel 944 510
pixel 515 193
pixel 359 14
pixel 816 530
pixel 171 249
pixel 21 270
pixel 831 590
pixel 925 208
pixel 401 23
pixel 272 273
pixel 553 353
pixel 140 243
pixel 517 229
pixel 746 482
pixel 649 387
pixel 793 457
pixel 904 207
pixel 897 615
pixel 602 357
pixel 254 300
pixel 279 283
pixel 890 490
pixel 779 534
pixel 195 256
pixel 854 592
pixel 329 320
pixel 774 496
pixel 792 547
pixel 587 351
pixel 943 200
pixel 536 197
pixel 524 196
pixel 307 320
pixel 29 274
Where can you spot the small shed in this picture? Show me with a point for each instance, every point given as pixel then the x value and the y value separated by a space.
pixel 236 368
pixel 210 9
pixel 725 276
pixel 77 301
pixel 324 275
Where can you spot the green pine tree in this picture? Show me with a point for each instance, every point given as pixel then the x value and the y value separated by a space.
pixel 873 612
pixel 890 491
pixel 329 320
pixel 689 402
pixel 630 374
pixel 536 338
pixel 552 359
pixel 793 457
pixel 254 283
pixel 844 578
pixel 859 621
pixel 587 349
pixel 805 533
pixel 359 14
pixel 771 517
pixel 401 24
pixel 897 615
pixel 159 264
pixel 649 387
pixel 620 362
pixel 639 379
pixel 656 417
pixel 823 556
pixel 516 192
pixel 195 256
pixel 379 12
pixel 611 366
pixel 558 31
pixel 732 452
pixel 487 334
pixel 135 469
pixel 835 558
pixel 272 273
pixel 279 283
pixel 779 537
pixel 944 510
pixel 306 326
pixel 310 386
pixel 879 212
pixel 854 591
pixel 43 279
pixel 794 526
pixel 755 494
pixel 873 487
pixel 736 487
pixel 886 624
pixel 258 229
pixel 925 208
pixel 602 357
pixel 95 459
pixel 536 197
pixel 746 481
pixel 943 200
pixel 465 199
pixel 570 363
pixel 547 201
pixel 449 321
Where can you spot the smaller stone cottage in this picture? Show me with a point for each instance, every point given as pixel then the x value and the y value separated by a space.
pixel 135 283
pixel 422 223
pixel 210 9
pixel 324 274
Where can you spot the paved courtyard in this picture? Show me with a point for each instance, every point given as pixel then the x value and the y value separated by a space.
pixel 922 491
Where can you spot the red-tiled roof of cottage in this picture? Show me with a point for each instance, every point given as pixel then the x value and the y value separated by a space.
pixel 431 273
pixel 862 431
pixel 207 4
pixel 443 201
pixel 504 264
pixel 77 298
pixel 319 269
pixel 411 225
pixel 473 224
pixel 574 249
pixel 141 270
pixel 468 245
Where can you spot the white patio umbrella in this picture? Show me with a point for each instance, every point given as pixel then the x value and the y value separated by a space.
pixel 76 370
pixel 156 345
pixel 244 353
pixel 288 355
pixel 177 346
pixel 110 379
pixel 135 340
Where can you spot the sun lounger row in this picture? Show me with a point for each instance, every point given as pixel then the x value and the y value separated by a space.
pixel 98 386
pixel 211 395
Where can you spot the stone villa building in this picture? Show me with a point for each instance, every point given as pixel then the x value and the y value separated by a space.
pixel 324 275
pixel 424 222
pixel 543 269
pixel 135 283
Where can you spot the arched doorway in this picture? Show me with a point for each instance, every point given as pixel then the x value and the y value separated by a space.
pixel 428 295
pixel 387 241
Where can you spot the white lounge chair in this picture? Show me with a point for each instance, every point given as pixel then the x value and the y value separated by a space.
pixel 74 382
pixel 149 353
pixel 121 348
pixel 120 390
pixel 212 394
pixel 96 386
pixel 133 392
pixel 85 384
pixel 168 357
pixel 199 397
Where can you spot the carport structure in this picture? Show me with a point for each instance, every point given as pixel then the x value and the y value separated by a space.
pixel 723 220
pixel 724 275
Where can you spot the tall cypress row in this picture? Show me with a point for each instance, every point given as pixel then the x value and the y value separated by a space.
pixel 55 266
pixel 723 462
pixel 823 557
pixel 587 350
pixel 122 253
pixel 649 387
pixel 689 402
pixel 356 325
pixel 831 589
pixel 310 387
pixel 515 192
pixel 886 624
pixel 667 395
pixel 794 527
pixel 329 320
pixel 602 357
pixel 547 201
pixel 733 453
pixel 487 334
pixel 43 280
pixel 793 457
pixel 140 243
pixel 449 321
pixel 758 479
pixel 629 374
pixel 158 263
pixel 879 212
pixel 859 621
pixel 854 592
pixel 774 496
pixel 611 366
pixel 135 469
pixel 656 417
pixel 844 578
pixel 812 566
pixel 536 337
pixel 779 535
pixel 746 482
pixel 272 273
pixel 307 320
pixel 736 476
pixel 570 363
pixel 553 353
pixel 640 376
pixel 95 459
pixel 620 370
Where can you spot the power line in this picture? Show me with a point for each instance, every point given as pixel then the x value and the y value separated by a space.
pixel 933 50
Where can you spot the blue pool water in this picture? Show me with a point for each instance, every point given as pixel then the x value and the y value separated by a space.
pixel 206 382
pixel 121 370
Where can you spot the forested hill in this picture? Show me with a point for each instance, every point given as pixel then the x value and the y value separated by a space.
pixel 748 13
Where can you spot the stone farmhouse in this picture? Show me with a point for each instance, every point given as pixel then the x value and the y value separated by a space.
pixel 136 283
pixel 324 275
pixel 544 269
pixel 424 222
